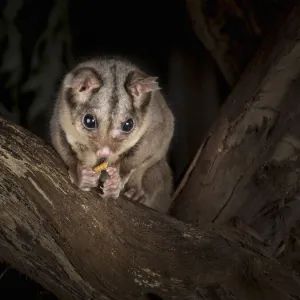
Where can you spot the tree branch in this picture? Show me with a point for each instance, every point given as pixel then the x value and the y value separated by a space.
pixel 82 247
pixel 247 166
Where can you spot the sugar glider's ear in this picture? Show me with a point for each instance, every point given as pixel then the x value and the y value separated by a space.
pixel 139 85
pixel 83 82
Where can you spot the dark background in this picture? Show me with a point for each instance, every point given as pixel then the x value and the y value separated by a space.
pixel 147 32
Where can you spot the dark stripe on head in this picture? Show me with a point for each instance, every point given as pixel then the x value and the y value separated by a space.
pixel 114 93
pixel 127 82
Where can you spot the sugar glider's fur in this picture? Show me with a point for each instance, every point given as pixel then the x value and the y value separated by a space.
pixel 113 91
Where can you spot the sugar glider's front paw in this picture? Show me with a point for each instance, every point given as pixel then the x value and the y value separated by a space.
pixel 85 178
pixel 113 185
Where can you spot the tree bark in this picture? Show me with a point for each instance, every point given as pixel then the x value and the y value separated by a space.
pixel 248 166
pixel 82 247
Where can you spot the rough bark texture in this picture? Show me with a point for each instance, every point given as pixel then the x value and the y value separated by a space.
pixel 81 247
pixel 232 29
pixel 248 170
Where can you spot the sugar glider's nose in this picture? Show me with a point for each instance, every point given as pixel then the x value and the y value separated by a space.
pixel 103 152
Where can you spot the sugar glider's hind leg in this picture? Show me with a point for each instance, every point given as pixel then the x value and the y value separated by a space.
pixel 157 185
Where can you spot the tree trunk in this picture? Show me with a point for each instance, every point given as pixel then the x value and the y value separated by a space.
pixel 248 166
pixel 82 247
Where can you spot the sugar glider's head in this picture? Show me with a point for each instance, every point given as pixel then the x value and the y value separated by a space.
pixel 108 101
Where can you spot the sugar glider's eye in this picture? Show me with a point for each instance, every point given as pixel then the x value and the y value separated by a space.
pixel 89 121
pixel 128 125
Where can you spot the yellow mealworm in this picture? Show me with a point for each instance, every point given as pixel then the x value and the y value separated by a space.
pixel 98 169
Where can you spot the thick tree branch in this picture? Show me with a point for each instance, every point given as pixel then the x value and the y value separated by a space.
pixel 247 167
pixel 81 247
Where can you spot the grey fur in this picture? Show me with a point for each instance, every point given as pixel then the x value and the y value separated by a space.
pixel 139 156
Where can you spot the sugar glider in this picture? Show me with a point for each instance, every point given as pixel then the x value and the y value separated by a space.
pixel 108 107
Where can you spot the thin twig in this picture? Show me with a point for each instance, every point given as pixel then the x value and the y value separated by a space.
pixel 3 273
pixel 189 171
